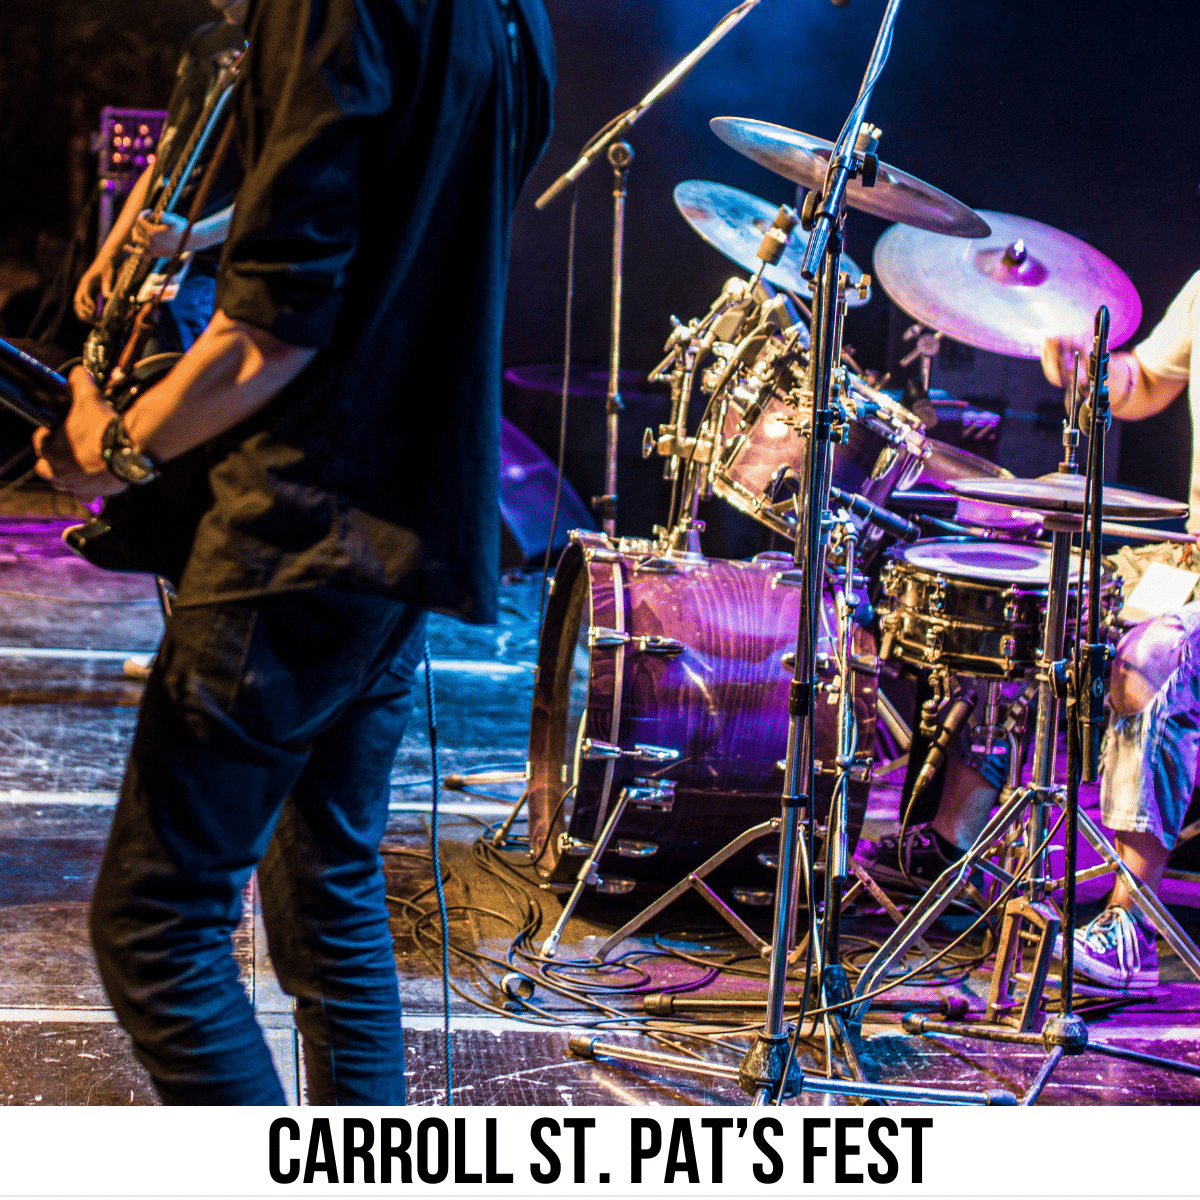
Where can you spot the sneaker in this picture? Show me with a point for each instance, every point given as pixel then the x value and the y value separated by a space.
pixel 1116 952
pixel 916 863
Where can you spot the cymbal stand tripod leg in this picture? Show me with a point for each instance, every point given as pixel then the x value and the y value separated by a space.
pixel 1064 1034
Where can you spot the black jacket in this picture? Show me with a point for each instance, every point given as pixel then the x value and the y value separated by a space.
pixel 384 144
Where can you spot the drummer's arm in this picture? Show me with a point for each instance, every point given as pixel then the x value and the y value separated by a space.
pixel 1134 392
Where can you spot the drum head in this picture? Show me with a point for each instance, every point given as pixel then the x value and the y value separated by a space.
pixel 1019 563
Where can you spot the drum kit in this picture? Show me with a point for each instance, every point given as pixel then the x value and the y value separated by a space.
pixel 679 697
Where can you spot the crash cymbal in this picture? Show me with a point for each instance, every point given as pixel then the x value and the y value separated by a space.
pixel 1008 291
pixel 804 159
pixel 734 222
pixel 1065 494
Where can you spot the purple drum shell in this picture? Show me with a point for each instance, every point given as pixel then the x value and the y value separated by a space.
pixel 721 702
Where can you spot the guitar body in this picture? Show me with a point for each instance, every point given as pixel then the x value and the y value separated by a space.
pixel 149 529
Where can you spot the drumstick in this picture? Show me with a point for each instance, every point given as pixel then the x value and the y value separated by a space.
pixel 1139 533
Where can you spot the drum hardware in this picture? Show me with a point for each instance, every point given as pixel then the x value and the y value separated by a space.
pixel 646 643
pixel 594 749
pixel 628 848
pixel 769 1071
pixel 928 342
pixel 652 794
pixel 610 140
pixel 1010 1017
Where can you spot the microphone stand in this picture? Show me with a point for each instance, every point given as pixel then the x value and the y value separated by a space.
pixel 610 139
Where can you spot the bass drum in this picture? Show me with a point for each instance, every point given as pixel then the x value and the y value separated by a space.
pixel 668 676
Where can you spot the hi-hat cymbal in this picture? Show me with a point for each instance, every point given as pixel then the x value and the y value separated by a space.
pixel 804 159
pixel 734 222
pixel 1065 494
pixel 1008 291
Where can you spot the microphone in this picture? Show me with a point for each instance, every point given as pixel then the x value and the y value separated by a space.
pixel 860 506
pixel 951 726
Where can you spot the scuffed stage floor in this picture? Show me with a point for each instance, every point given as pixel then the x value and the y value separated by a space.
pixel 69 708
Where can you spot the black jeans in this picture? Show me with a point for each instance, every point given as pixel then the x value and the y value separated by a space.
pixel 266 737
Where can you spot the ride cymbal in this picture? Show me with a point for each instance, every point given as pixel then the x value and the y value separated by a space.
pixel 734 222
pixel 1007 291
pixel 804 159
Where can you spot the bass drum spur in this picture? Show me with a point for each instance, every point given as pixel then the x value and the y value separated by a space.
pixel 667 676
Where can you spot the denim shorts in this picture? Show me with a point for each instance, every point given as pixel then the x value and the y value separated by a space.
pixel 1148 760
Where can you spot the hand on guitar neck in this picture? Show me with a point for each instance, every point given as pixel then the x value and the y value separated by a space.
pixel 231 371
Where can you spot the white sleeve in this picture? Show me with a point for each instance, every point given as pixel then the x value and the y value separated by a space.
pixel 1167 352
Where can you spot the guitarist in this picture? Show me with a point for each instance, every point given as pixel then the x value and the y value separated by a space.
pixel 348 387
pixel 183 318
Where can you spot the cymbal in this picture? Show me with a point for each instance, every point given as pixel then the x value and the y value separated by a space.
pixel 1007 291
pixel 734 222
pixel 1065 494
pixel 946 462
pixel 804 159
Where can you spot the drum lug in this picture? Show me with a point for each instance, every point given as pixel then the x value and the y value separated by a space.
pixel 937 598
pixel 594 749
pixel 934 639
pixel 600 554
pixel 1008 647
pixel 599 636
pixel 1010 611
pixel 889 626
pixel 793 578
pixel 653 753
pixel 627 848
pixel 654 643
pixel 613 885
pixel 658 794
pixel 646 643
pixel 573 847
pixel 889 580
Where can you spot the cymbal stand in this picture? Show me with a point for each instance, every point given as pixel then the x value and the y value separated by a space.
pixel 1064 1034
pixel 610 139
pixel 769 1071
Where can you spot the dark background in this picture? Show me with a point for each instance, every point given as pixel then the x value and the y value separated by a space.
pixel 1081 115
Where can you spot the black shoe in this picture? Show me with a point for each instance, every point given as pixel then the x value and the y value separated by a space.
pixel 916 864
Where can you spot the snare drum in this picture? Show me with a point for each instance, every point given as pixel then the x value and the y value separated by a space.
pixel 974 607
pixel 764 434
pixel 667 677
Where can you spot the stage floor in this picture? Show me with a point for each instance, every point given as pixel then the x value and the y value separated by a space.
pixel 68 714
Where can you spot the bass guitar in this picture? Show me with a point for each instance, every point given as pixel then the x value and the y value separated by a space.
pixel 103 346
